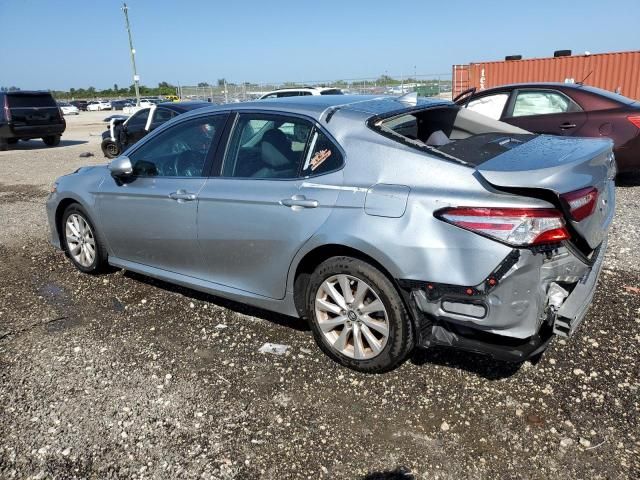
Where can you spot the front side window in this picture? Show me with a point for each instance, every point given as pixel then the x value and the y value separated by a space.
pixel 139 119
pixel 540 103
pixel 266 146
pixel 489 105
pixel 179 151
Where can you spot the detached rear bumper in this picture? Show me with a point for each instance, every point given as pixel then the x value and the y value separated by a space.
pixel 514 313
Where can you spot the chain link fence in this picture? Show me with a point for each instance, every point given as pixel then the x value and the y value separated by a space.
pixel 426 85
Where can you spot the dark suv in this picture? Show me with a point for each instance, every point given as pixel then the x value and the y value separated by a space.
pixel 26 115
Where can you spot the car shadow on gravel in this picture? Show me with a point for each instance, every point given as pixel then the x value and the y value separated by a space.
pixel 481 365
pixel 37 144
pixel 628 180
pixel 397 474
pixel 237 307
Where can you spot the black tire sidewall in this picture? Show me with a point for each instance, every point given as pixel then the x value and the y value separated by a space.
pixel 99 257
pixel 105 149
pixel 51 140
pixel 400 341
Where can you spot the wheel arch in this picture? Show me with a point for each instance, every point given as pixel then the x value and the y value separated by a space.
pixel 314 257
pixel 60 209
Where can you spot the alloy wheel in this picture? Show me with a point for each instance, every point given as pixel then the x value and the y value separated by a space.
pixel 352 317
pixel 80 240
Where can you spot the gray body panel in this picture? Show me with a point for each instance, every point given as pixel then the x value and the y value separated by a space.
pixel 238 240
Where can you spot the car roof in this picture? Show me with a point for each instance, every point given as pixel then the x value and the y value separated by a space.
pixel 183 106
pixel 315 106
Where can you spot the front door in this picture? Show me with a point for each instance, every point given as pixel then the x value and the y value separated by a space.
pixel 279 182
pixel 151 217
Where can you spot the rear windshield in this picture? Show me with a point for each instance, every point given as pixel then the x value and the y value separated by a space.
pixel 607 94
pixel 451 132
pixel 31 100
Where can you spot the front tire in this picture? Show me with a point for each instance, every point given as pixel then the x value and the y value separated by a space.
pixel 110 148
pixel 81 242
pixel 357 316
pixel 52 140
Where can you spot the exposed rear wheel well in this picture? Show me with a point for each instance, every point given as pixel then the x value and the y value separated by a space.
pixel 315 257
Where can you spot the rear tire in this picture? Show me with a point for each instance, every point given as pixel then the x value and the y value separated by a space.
pixel 81 241
pixel 357 316
pixel 3 145
pixel 51 140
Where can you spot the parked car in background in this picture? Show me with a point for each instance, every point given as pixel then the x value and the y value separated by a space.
pixel 301 92
pixel 386 222
pixel 80 104
pixel 567 109
pixel 98 105
pixel 25 115
pixel 68 109
pixel 120 104
pixel 124 132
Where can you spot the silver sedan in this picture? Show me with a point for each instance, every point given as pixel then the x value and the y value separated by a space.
pixel 386 222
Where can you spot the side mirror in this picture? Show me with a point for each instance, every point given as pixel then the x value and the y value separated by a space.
pixel 121 167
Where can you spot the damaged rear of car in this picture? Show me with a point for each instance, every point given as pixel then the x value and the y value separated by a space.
pixel 548 205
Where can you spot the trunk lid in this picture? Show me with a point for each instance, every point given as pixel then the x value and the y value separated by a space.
pixel 560 165
pixel 31 109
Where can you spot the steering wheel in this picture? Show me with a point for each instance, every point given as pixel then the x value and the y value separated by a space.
pixel 188 164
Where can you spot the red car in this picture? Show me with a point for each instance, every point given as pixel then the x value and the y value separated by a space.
pixel 568 109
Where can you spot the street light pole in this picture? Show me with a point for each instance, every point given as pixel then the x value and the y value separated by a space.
pixel 136 78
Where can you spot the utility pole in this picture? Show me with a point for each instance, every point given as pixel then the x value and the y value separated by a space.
pixel 136 77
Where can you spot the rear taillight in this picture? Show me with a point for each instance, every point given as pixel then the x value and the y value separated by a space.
pixel 581 202
pixel 515 226
pixel 635 119
pixel 7 110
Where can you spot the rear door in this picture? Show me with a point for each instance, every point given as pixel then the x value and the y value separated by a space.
pixel 544 111
pixel 278 183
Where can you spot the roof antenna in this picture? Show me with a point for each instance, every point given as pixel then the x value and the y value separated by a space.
pixel 582 82
pixel 411 97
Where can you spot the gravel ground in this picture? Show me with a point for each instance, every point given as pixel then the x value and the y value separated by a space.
pixel 120 376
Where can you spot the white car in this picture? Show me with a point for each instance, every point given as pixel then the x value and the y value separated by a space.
pixel 300 92
pixel 68 109
pixel 98 105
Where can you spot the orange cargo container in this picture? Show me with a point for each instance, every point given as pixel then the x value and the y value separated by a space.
pixel 616 71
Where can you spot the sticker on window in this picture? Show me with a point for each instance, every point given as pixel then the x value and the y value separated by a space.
pixel 319 157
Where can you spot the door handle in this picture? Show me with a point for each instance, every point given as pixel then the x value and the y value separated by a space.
pixel 182 195
pixel 299 201
pixel 567 125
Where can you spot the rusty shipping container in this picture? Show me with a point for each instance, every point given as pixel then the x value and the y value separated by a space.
pixel 616 71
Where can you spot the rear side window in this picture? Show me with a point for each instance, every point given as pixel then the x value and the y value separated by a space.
pixel 332 91
pixel 322 157
pixel 266 147
pixel 26 101
pixel 541 103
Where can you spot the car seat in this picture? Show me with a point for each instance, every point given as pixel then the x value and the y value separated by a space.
pixel 276 153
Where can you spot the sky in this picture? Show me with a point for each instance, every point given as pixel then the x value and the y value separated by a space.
pixel 71 43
